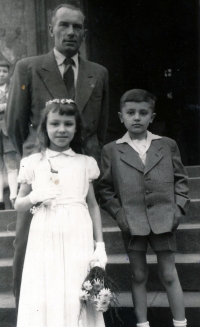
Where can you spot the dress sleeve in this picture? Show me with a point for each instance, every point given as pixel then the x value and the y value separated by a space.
pixel 92 168
pixel 26 171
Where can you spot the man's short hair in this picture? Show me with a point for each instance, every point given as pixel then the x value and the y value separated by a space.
pixel 138 95
pixel 70 5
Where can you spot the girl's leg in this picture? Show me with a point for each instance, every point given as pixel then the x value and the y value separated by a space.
pixel 169 278
pixel 139 270
pixel 10 160
pixel 1 179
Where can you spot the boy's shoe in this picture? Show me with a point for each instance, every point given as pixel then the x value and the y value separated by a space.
pixel 2 206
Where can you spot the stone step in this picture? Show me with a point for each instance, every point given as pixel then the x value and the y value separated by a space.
pixel 192 215
pixel 8 217
pixel 159 314
pixel 187 235
pixel 192 212
pixel 193 171
pixel 194 187
pixel 6 275
pixel 8 220
pixel 188 267
pixel 6 244
pixel 7 310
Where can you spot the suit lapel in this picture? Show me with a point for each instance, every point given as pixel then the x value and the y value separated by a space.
pixel 85 85
pixel 130 156
pixel 154 155
pixel 52 78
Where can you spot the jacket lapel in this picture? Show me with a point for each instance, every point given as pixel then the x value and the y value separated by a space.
pixel 154 155
pixel 52 78
pixel 85 85
pixel 130 156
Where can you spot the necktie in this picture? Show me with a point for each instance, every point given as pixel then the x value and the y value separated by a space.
pixel 68 78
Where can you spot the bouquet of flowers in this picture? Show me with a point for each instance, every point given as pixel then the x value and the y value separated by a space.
pixel 98 289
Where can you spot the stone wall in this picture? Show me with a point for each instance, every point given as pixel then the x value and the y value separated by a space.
pixel 17 29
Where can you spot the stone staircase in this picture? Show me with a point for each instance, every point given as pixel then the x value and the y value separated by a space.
pixel 159 315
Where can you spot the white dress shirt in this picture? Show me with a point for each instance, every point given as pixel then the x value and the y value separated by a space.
pixel 140 146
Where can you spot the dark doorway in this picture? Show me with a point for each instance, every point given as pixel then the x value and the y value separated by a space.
pixel 151 45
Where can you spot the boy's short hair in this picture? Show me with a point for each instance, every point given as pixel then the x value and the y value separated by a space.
pixel 4 63
pixel 138 95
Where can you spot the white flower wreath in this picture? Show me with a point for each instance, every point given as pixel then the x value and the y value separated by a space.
pixel 62 101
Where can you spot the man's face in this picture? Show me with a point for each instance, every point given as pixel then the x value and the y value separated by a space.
pixel 136 117
pixel 68 31
pixel 4 75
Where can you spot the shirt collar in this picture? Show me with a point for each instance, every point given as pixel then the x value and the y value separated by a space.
pixel 126 138
pixel 52 154
pixel 4 88
pixel 60 58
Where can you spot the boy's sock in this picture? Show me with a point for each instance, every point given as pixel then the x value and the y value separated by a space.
pixel 143 324
pixel 180 323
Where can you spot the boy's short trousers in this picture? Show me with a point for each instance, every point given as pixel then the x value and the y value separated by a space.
pixel 5 144
pixel 158 242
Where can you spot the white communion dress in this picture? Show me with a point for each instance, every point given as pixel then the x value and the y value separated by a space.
pixel 60 244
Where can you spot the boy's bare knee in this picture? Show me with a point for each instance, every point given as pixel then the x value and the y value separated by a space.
pixel 139 276
pixel 167 277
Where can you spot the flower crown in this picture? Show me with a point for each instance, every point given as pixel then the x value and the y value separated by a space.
pixel 62 101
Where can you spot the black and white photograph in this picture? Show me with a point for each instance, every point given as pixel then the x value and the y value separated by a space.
pixel 99 163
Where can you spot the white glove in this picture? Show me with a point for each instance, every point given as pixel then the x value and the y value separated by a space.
pixel 100 255
pixel 43 194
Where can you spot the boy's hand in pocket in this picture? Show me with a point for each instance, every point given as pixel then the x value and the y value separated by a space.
pixel 177 217
pixel 121 221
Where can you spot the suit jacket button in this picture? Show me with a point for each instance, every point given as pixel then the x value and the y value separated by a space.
pixel 94 122
pixel 149 206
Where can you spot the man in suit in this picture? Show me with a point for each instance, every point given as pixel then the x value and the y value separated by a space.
pixel 62 73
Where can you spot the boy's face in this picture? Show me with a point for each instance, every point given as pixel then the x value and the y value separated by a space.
pixel 136 117
pixel 4 75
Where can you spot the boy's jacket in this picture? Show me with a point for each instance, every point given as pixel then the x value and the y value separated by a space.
pixel 147 195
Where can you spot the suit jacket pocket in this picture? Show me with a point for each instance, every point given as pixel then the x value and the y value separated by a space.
pixel 166 173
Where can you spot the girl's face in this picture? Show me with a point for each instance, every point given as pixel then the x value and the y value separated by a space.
pixel 60 130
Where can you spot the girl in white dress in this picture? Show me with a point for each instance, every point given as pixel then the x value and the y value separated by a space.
pixel 66 216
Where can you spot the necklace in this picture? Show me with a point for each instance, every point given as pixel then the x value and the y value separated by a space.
pixel 53 173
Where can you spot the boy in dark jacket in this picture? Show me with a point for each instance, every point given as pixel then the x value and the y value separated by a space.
pixel 144 187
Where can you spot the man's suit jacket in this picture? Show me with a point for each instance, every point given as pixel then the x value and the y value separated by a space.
pixel 37 80
pixel 145 196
